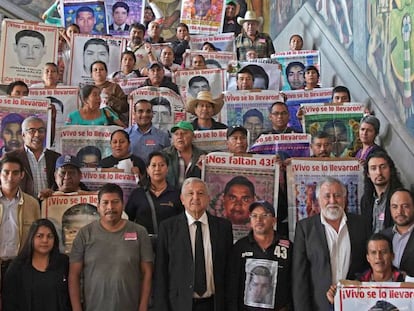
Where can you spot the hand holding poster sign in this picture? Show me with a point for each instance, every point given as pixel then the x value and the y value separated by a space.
pixel 24 48
pixel 210 140
pixel 352 295
pixel 234 182
pixel 303 175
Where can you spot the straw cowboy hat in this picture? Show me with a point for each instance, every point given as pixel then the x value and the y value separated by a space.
pixel 248 17
pixel 206 96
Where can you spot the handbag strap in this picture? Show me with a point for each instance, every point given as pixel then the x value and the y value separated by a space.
pixel 153 214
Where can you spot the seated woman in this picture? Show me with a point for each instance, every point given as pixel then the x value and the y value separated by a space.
pixel 128 60
pixel 165 198
pixel 369 127
pixel 120 145
pixel 198 62
pixel 111 93
pixel 311 75
pixel 17 89
pixel 90 113
pixel 38 278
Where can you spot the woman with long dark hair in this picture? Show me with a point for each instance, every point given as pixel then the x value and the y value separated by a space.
pixel 37 279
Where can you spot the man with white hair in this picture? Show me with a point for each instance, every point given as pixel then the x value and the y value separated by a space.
pixel 328 247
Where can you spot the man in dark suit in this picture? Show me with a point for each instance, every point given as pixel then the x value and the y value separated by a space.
pixel 180 282
pixel 38 162
pixel 402 213
pixel 327 248
pixel 120 12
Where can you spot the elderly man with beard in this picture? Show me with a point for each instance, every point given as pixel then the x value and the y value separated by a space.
pixel 328 247
pixel 270 256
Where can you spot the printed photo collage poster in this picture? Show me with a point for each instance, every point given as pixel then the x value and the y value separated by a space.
pixel 126 13
pixel 266 76
pixel 353 295
pixel 213 59
pixel 259 173
pixel 192 81
pixel 203 17
pixel 25 47
pixel 69 213
pixel 223 42
pixel 167 106
pixel 284 145
pixel 90 16
pixel 86 49
pixel 65 100
pixel 249 109
pixel 12 113
pixel 296 98
pixel 89 143
pixel 341 122
pixel 303 174
pixel 293 65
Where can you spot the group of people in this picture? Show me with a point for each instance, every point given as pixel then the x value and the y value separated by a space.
pixel 171 253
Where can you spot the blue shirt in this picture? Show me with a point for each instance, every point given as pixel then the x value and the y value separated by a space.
pixel 142 144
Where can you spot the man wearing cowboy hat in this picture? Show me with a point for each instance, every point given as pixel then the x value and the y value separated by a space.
pixel 204 107
pixel 251 38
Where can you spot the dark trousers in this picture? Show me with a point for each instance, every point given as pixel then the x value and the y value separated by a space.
pixel 203 304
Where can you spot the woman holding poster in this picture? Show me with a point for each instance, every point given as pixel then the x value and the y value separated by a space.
pixel 90 113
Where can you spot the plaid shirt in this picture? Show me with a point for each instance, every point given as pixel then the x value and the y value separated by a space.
pixel 262 44
pixel 38 168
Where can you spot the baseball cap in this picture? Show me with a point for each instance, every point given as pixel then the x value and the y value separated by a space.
pixel 150 65
pixel 266 205
pixel 67 160
pixel 183 125
pixel 236 128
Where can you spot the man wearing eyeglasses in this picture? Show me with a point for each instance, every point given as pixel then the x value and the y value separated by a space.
pixel 260 275
pixel 38 162
pixel 279 116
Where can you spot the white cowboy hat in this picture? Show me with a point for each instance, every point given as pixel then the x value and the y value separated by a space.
pixel 206 96
pixel 250 16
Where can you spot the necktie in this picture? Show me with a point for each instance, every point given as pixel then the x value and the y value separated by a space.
pixel 200 282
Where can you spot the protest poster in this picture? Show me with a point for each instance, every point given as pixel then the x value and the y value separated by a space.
pixel 70 212
pixel 266 76
pixel 13 111
pixel 293 66
pixel 284 145
pixel 65 100
pixel 90 16
pixel 167 106
pixel 245 179
pixel 167 13
pixel 129 85
pixel 203 17
pixel 192 81
pixel 210 140
pixel 89 143
pixel 353 295
pixel 94 179
pixel 341 122
pixel 303 174
pixel 296 98
pixel 121 14
pixel 250 109
pixel 86 49
pixel 25 47
pixel 213 59
pixel 222 41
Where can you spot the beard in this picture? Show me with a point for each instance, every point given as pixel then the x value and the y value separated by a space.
pixel 332 211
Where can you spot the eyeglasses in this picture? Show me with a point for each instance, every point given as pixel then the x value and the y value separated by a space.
pixel 260 216
pixel 32 131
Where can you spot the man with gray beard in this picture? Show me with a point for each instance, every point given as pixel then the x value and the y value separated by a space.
pixel 328 247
